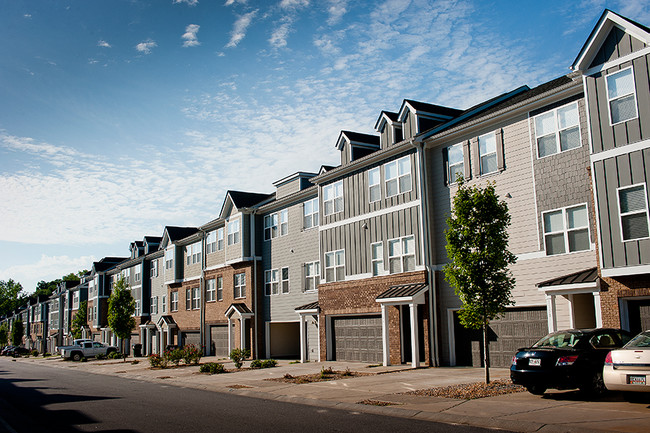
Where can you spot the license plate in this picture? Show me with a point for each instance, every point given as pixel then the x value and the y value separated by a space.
pixel 534 362
pixel 636 380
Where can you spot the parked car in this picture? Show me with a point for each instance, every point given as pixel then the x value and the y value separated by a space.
pixel 628 369
pixel 75 343
pixel 567 359
pixel 17 351
pixel 5 350
pixel 87 349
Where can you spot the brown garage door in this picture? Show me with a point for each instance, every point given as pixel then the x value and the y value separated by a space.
pixel 219 335
pixel 639 314
pixel 357 338
pixel 519 327
pixel 192 338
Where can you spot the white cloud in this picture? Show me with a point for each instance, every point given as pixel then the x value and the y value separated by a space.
pixel 190 37
pixel 146 46
pixel 336 10
pixel 240 27
pixel 103 43
pixel 48 268
pixel 231 2
pixel 187 2
pixel 279 36
pixel 293 4
pixel 28 16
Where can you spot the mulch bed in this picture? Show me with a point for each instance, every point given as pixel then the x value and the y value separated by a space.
pixel 470 391
pixel 323 376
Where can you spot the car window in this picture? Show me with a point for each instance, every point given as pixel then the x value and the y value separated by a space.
pixel 603 341
pixel 641 340
pixel 95 344
pixel 624 337
pixel 559 339
pixel 88 345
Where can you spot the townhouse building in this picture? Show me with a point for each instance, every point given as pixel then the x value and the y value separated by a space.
pixel 99 287
pixel 150 332
pixel 38 323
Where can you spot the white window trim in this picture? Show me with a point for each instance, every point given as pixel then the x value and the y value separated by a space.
pixel 164 304
pixel 335 267
pixel 401 255
pixel 238 287
pixel 211 242
pixel 450 180
pixel 219 288
pixel 636 102
pixel 271 280
pixel 557 131
pixel 283 281
pixel 565 230
pixel 314 214
pixel 332 186
pixel 235 232
pixel 211 290
pixel 399 176
pixel 378 184
pixel 382 270
pixel 621 215
pixel 173 302
pixel 495 153
pixel 315 278
pixel 220 238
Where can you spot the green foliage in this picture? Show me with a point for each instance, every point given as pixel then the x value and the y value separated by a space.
pixel 157 361
pixel 47 355
pixel 266 363
pixel 4 335
pixel 256 363
pixel 79 320
pixel 45 288
pixel 114 355
pixel 238 356
pixel 325 373
pixel 121 307
pixel 11 296
pixel 212 368
pixel 17 332
pixel 192 354
pixel 34 352
pixel 100 356
pixel 174 355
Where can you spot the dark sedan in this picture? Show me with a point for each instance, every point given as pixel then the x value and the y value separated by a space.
pixel 567 359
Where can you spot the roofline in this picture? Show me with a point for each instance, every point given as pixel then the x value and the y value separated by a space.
pixel 288 200
pixel 298 174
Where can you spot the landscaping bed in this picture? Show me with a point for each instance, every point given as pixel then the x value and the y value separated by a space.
pixel 470 391
pixel 325 374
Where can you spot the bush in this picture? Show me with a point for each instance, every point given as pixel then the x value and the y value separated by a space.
pixel 256 363
pixel 34 352
pixel 238 356
pixel 325 372
pixel 47 354
pixel 115 355
pixel 192 354
pixel 157 361
pixel 212 368
pixel 100 356
pixel 174 355
pixel 269 363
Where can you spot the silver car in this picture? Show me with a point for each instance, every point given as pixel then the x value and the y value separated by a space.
pixel 628 368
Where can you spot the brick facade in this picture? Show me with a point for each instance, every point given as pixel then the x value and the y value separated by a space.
pixel 620 287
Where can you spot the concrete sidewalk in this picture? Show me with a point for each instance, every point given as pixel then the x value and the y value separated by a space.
pixel 555 412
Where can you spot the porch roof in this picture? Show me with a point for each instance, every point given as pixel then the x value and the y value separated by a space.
pixel 587 276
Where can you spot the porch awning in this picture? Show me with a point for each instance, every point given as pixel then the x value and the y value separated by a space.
pixel 166 322
pixel 312 307
pixel 403 293
pixel 578 282
pixel 239 308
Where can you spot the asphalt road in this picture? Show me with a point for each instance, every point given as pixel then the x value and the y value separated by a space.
pixel 44 399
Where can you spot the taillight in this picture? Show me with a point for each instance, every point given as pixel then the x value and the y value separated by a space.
pixel 514 360
pixel 608 358
pixel 566 360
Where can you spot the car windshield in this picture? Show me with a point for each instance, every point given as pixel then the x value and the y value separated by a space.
pixel 641 340
pixel 559 339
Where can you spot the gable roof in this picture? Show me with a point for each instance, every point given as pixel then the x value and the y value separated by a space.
pixel 242 199
pixel 384 117
pixel 605 23
pixel 175 233
pixel 425 109
pixel 357 138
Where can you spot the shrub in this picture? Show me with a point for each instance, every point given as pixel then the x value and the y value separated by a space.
pixel 347 372
pixel 47 354
pixel 325 372
pixel 269 363
pixel 84 359
pixel 135 362
pixel 157 361
pixel 238 356
pixel 174 355
pixel 114 355
pixel 212 368
pixel 100 356
pixel 34 352
pixel 256 363
pixel 192 354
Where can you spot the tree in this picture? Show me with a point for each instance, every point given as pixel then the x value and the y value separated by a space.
pixel 79 320
pixel 121 307
pixel 17 332
pixel 477 247
pixel 45 288
pixel 11 296
pixel 4 337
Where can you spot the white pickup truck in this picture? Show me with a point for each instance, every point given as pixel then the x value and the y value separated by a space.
pixel 86 349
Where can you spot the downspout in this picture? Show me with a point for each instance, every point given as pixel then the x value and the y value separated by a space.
pixel 426 242
pixel 255 306
pixel 202 334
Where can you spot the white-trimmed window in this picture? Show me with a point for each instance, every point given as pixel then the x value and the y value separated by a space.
pixel 194 253
pixel 335 266
pixel 137 313
pixel 398 176
pixel 95 312
pixel 374 184
pixel 271 282
pixel 75 301
pixel 284 222
pixel 211 242
pixel 233 232
pixel 188 299
pixel 401 254
pixel 566 230
pixel 621 96
pixel 633 210
pixel 219 288
pixel 196 298
pixel 284 283
pixel 270 226
pixel 377 254
pixel 333 198
pixel 220 239
pixel 456 162
pixel 169 258
pixel 137 273
pixel 210 290
pixel 312 275
pixel 557 130
pixel 164 304
pixel 487 153
pixel 154 268
pixel 240 286
pixel 174 301
pixel 310 213
pixel 154 305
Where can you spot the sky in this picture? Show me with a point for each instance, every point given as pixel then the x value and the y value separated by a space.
pixel 119 118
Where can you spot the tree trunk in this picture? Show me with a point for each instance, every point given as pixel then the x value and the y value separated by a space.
pixel 486 353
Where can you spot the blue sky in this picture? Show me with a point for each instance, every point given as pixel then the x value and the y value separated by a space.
pixel 118 118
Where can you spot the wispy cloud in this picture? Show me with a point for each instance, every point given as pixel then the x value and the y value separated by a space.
pixel 190 37
pixel 232 2
pixel 146 46
pixel 293 4
pixel 279 36
pixel 187 2
pixel 28 16
pixel 336 10
pixel 103 43
pixel 240 27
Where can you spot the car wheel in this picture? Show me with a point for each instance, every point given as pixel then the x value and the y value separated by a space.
pixel 76 356
pixel 595 387
pixel 536 389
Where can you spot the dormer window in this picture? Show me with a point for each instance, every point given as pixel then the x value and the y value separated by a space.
pixel 398 135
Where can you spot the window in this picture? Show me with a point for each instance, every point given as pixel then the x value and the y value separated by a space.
pixel 557 126
pixel 154 268
pixel 137 273
pixel 621 96
pixel 271 223
pixel 333 198
pixel 487 151
pixel 398 176
pixel 193 253
pixel 137 308
pixel 377 253
pixel 401 254
pixel 284 222
pixel 310 213
pixel 75 300
pixel 220 239
pixel 284 273
pixel 174 301
pixel 233 232
pixel 456 162
pixel 210 290
pixel 211 242
pixel 196 298
pixel 271 282
pixel 95 312
pixel 240 286
pixel 312 274
pixel 633 208
pixel 566 230
pixel 219 288
pixel 335 266
pixel 154 305
pixel 188 299
pixel 164 304
pixel 374 184
pixel 169 258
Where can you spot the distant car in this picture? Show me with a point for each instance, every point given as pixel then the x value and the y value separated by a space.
pixel 16 351
pixel 5 350
pixel 87 349
pixel 628 369
pixel 566 360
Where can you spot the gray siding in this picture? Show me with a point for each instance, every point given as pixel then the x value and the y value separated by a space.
pixel 617 44
pixel 288 188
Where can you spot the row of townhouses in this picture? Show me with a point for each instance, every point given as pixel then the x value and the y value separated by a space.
pixel 346 263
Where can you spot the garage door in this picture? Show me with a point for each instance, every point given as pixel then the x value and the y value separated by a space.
pixel 192 338
pixel 519 327
pixel 357 338
pixel 639 315
pixel 219 335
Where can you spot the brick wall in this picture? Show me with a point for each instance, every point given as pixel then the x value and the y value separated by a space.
pixel 621 287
